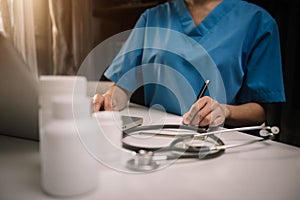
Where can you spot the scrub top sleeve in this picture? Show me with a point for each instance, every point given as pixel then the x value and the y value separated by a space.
pixel 125 68
pixel 263 81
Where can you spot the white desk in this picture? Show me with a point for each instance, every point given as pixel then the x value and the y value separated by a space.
pixel 263 171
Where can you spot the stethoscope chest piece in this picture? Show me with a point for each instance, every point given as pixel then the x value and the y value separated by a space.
pixel 142 162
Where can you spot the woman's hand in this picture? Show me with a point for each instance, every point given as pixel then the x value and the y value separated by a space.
pixel 103 102
pixel 114 99
pixel 205 112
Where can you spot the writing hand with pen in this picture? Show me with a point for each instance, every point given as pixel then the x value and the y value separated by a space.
pixel 205 111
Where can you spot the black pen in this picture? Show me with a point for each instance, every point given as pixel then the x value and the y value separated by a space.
pixel 201 94
pixel 203 89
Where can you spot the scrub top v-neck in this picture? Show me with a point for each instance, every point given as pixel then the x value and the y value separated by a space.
pixel 208 22
pixel 236 46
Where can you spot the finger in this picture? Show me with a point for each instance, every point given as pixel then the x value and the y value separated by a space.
pixel 216 117
pixel 207 114
pixel 96 106
pixel 184 118
pixel 195 121
pixel 202 118
pixel 202 121
pixel 97 102
pixel 195 108
pixel 107 102
pixel 205 111
pixel 206 120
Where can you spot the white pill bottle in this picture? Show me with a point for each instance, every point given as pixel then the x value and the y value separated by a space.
pixel 68 168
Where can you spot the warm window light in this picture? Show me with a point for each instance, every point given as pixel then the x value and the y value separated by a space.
pixel 1 23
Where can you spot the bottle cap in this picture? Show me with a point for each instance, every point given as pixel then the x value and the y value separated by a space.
pixel 62 85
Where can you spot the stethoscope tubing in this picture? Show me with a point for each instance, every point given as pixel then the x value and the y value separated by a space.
pixel 199 131
pixel 229 146
pixel 150 161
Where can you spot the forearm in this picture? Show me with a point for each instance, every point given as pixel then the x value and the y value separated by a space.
pixel 244 115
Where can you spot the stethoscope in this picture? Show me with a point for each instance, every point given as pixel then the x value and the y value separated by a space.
pixel 197 143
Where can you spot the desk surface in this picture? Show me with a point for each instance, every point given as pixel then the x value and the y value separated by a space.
pixel 264 171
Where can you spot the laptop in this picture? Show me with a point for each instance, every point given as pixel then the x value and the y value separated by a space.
pixel 131 121
pixel 19 95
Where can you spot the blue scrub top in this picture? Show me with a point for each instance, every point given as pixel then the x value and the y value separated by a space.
pixel 236 47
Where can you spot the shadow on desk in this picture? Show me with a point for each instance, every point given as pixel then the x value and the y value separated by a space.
pixel 19 153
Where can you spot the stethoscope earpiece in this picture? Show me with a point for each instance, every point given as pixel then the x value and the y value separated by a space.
pixel 275 130
pixel 269 131
pixel 264 133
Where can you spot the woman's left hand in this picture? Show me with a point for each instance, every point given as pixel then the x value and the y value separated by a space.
pixel 205 112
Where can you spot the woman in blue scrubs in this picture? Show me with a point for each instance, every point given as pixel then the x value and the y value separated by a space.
pixel 177 45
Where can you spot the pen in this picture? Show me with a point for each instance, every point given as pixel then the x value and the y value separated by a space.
pixel 201 93
pixel 203 89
